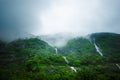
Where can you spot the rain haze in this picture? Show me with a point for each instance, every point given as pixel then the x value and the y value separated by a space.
pixel 20 18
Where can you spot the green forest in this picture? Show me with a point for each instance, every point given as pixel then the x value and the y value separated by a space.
pixel 34 59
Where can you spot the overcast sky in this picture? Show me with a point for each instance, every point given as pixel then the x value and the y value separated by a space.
pixel 41 17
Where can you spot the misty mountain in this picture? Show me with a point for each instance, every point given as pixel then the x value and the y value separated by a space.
pixel 57 40
pixel 40 59
pixel 107 42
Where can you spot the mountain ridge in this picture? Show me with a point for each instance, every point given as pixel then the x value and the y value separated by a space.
pixel 35 59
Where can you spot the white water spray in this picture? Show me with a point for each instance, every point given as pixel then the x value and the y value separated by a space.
pixel 73 69
pixel 118 66
pixel 65 59
pixel 98 49
pixel 56 50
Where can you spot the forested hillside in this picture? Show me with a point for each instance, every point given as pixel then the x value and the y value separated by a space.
pixel 34 59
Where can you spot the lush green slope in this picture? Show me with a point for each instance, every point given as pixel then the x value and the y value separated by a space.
pixel 31 59
pixel 34 59
pixel 109 43
pixel 81 53
pixel 78 46
pixel 77 51
pixel 23 48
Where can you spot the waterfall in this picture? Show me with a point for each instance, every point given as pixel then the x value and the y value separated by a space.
pixel 98 49
pixel 56 50
pixel 118 66
pixel 73 69
pixel 65 59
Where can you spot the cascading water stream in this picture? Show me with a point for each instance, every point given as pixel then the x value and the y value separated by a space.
pixel 118 66
pixel 98 49
pixel 72 68
pixel 56 50
pixel 65 59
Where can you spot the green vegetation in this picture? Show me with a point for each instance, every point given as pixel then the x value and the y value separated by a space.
pixel 109 44
pixel 34 59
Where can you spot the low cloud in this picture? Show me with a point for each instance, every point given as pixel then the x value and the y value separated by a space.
pixel 43 17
